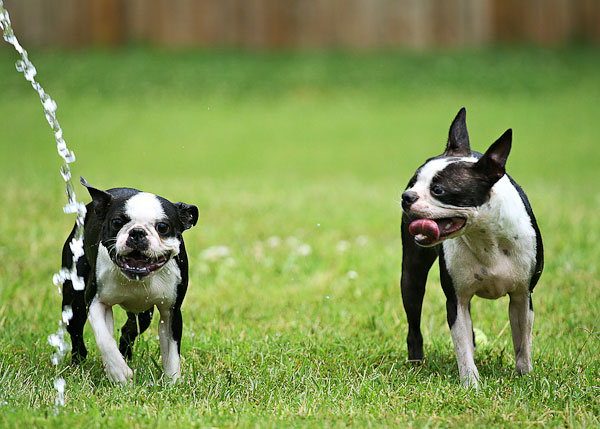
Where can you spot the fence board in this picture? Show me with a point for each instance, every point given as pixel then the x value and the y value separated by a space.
pixel 267 24
pixel 589 17
pixel 106 19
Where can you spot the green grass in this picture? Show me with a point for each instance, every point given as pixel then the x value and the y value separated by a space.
pixel 313 149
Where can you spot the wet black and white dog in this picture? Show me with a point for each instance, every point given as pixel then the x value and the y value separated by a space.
pixel 464 208
pixel 134 257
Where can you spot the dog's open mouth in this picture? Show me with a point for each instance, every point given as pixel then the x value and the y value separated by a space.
pixel 136 265
pixel 428 232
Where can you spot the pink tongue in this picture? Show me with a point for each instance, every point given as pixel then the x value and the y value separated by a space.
pixel 427 227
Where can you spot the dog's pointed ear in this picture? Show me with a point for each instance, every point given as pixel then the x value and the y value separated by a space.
pixel 493 162
pixel 101 199
pixel 188 214
pixel 458 137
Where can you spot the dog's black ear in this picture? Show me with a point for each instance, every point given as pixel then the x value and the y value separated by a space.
pixel 458 137
pixel 101 199
pixel 188 214
pixel 493 162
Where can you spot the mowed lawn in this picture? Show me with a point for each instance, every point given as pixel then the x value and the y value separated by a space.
pixel 293 316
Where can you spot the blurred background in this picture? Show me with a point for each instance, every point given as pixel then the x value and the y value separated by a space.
pixel 277 24
pixel 264 95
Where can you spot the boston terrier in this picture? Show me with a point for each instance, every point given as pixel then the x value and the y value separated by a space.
pixel 462 207
pixel 134 256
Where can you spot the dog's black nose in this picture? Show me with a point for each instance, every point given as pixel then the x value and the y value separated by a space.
pixel 137 234
pixel 137 239
pixel 408 199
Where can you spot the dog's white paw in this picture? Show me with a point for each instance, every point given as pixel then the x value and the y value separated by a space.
pixel 470 381
pixel 173 371
pixel 174 378
pixel 118 371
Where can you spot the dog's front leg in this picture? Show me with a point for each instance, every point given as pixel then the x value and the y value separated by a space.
pixel 169 333
pixel 462 338
pixel 520 313
pixel 461 328
pixel 101 320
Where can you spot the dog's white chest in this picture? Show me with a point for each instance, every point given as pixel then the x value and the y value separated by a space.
pixel 114 288
pixel 497 255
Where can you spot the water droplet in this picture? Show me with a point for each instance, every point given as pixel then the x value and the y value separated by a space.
pixel 49 104
pixel 67 314
pixel 29 71
pixel 65 172
pixel 59 384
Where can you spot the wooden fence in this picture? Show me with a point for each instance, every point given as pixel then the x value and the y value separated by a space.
pixel 273 24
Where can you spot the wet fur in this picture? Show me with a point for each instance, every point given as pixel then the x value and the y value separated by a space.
pixel 106 285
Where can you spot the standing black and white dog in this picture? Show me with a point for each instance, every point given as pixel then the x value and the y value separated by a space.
pixel 134 256
pixel 464 208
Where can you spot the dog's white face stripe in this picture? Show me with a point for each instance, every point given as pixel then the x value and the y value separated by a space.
pixel 428 172
pixel 144 208
pixel 429 207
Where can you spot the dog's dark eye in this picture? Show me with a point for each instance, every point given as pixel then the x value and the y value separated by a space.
pixel 117 223
pixel 437 190
pixel 163 228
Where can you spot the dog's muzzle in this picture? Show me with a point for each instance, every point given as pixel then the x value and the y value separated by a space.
pixel 137 239
pixel 408 199
pixel 429 232
pixel 136 265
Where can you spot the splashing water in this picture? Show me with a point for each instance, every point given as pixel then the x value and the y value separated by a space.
pixel 26 67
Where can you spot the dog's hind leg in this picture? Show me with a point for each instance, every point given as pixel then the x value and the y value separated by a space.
pixel 144 319
pixel 416 262
pixel 520 312
pixel 129 331
pixel 75 299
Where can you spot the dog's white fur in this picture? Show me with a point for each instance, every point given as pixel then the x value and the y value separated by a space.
pixel 491 256
pixel 157 289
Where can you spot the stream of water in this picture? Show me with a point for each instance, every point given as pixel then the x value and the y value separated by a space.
pixel 25 66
